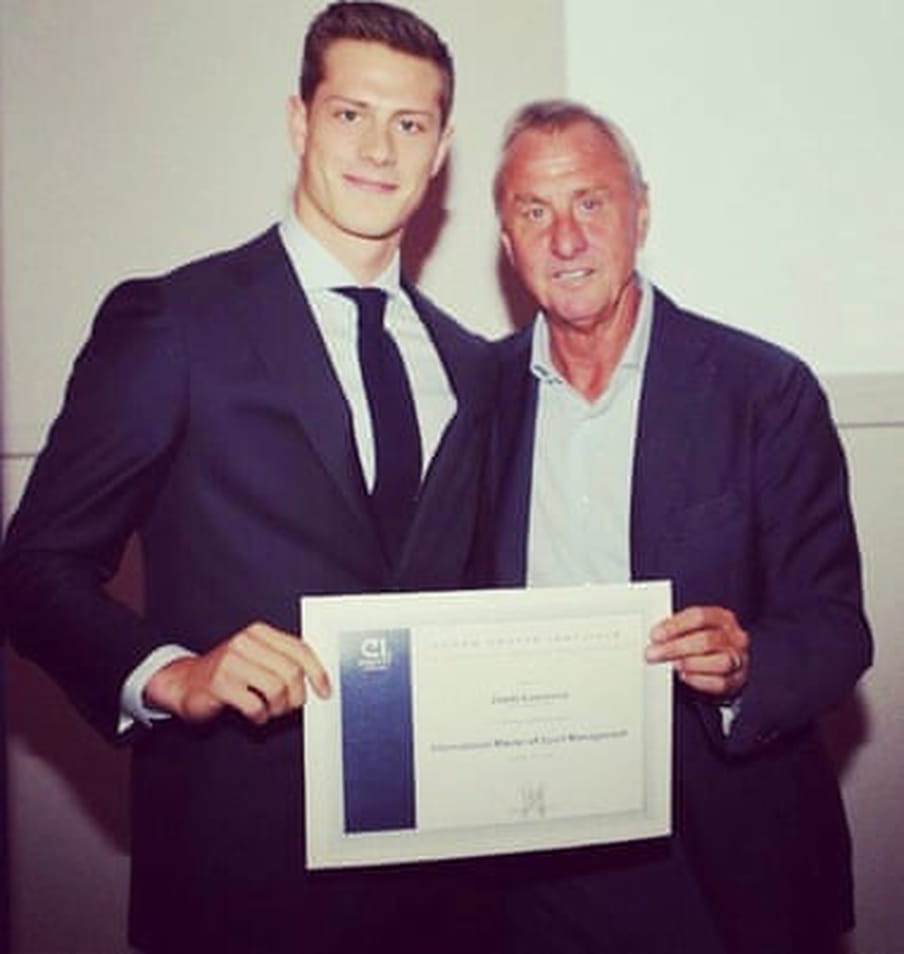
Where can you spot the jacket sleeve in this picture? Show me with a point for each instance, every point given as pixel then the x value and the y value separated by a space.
pixel 810 641
pixel 104 461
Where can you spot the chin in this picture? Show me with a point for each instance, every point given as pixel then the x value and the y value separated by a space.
pixel 576 312
pixel 375 231
pixel 377 220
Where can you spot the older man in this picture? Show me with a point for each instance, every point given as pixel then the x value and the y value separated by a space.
pixel 639 441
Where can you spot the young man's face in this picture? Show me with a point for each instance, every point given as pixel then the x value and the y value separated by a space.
pixel 369 141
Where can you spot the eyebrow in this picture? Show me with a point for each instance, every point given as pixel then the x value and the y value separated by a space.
pixel 592 190
pixel 528 198
pixel 338 99
pixel 525 198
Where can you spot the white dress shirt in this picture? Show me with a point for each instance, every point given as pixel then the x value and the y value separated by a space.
pixel 337 318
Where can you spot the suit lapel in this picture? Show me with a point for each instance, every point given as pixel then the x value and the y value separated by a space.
pixel 472 387
pixel 285 335
pixel 467 379
pixel 513 450
pixel 670 449
pixel 677 385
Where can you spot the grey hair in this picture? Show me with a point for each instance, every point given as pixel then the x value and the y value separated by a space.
pixel 556 115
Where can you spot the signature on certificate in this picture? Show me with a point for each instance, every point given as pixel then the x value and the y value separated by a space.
pixel 533 801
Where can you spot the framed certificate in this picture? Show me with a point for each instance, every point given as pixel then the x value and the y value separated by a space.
pixel 485 722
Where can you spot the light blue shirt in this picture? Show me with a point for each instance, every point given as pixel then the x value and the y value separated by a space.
pixel 580 510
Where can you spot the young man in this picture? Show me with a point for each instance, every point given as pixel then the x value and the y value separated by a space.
pixel 638 441
pixel 221 412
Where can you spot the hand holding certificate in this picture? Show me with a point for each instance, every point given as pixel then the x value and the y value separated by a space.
pixel 488 722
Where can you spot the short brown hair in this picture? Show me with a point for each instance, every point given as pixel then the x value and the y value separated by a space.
pixel 393 26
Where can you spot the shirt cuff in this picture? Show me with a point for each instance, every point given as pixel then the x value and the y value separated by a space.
pixel 132 708
pixel 729 712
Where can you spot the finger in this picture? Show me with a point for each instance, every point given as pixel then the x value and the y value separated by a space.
pixel 226 678
pixel 297 652
pixel 315 671
pixel 278 696
pixel 690 619
pixel 261 693
pixel 719 674
pixel 284 655
pixel 271 670
pixel 697 643
pixel 207 697
pixel 737 660
pixel 717 686
pixel 251 703
pixel 725 662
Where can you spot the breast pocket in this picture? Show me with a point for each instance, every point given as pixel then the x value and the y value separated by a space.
pixel 706 517
pixel 705 549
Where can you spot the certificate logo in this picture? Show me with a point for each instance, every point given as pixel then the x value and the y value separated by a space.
pixel 375 654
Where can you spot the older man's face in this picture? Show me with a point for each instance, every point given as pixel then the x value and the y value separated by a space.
pixel 572 221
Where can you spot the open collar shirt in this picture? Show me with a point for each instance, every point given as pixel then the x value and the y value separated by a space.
pixel 580 509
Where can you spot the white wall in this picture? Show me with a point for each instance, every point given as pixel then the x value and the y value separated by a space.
pixel 867 734
pixel 136 136
pixel 771 136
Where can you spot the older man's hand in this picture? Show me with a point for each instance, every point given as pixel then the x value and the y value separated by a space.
pixel 706 646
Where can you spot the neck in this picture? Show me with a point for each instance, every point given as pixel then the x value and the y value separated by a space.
pixel 366 258
pixel 587 355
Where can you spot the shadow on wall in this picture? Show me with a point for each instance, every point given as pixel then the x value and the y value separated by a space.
pixel 520 305
pixel 421 237
pixel 425 226
pixel 4 814
pixel 844 731
pixel 96 773
pixel 50 729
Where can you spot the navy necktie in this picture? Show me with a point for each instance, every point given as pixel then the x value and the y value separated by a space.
pixel 397 442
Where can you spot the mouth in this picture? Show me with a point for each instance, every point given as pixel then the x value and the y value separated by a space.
pixel 571 276
pixel 366 184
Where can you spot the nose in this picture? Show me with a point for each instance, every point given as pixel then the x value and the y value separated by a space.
pixel 377 144
pixel 567 237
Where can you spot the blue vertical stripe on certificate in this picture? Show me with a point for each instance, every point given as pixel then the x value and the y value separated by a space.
pixel 377 741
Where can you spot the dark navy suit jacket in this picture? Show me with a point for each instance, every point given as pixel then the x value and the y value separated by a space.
pixel 740 498
pixel 204 413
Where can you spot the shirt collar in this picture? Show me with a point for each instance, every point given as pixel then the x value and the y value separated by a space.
pixel 633 357
pixel 318 269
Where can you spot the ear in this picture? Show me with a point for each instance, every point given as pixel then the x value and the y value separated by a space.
pixel 297 116
pixel 643 217
pixel 507 246
pixel 442 149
